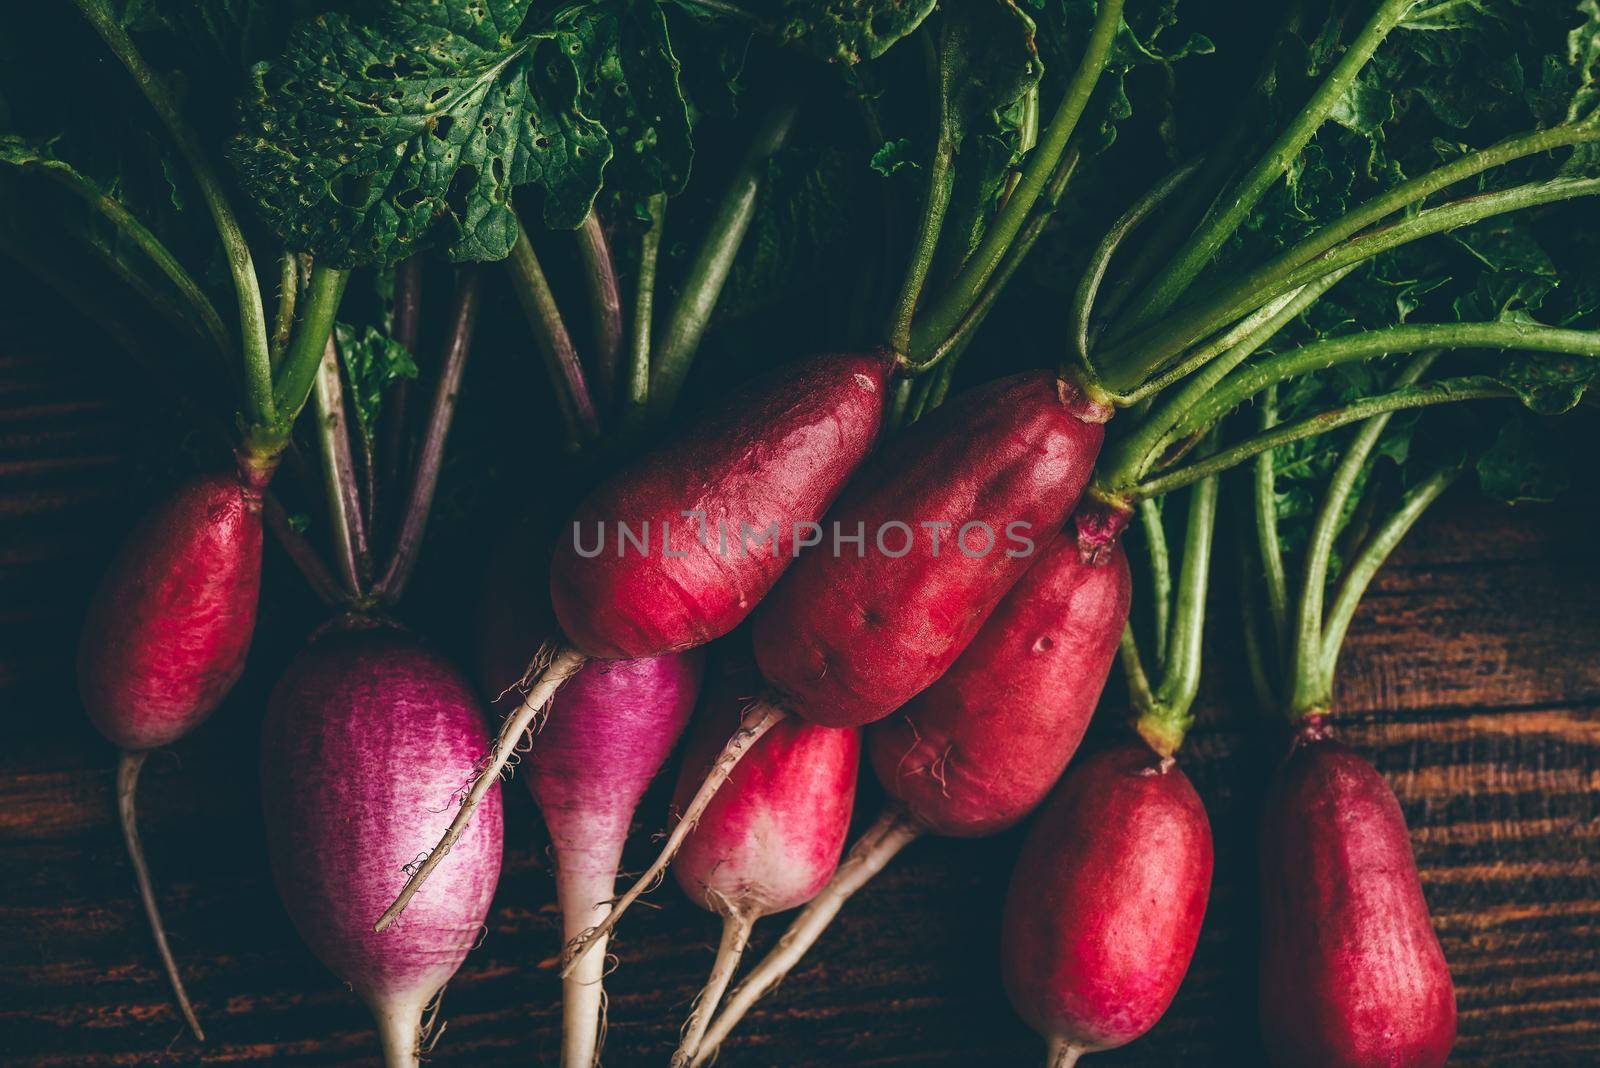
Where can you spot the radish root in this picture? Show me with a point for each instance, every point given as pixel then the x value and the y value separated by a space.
pixel 1063 1054
pixel 563 666
pixel 893 831
pixel 128 767
pixel 759 718
pixel 736 926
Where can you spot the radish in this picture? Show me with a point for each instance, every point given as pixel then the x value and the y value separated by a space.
pixel 771 838
pixel 618 722
pixel 1106 902
pixel 165 640
pixel 1351 970
pixel 361 753
pixel 979 749
pixel 775 456
pixel 846 639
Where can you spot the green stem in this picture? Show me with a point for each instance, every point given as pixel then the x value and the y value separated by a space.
pixel 605 303
pixel 1414 191
pixel 1258 658
pixel 1133 457
pixel 1245 382
pixel 1155 537
pixel 260 403
pixel 298 369
pixel 1132 361
pixel 935 203
pixel 952 306
pixel 555 343
pixel 288 293
pixel 899 406
pixel 713 261
pixel 1307 649
pixel 1185 266
pixel 1100 260
pixel 1236 344
pixel 1140 694
pixel 1264 502
pixel 962 335
pixel 1169 719
pixel 1358 575
pixel 637 395
pixel 339 474
pixel 113 211
pixel 1445 391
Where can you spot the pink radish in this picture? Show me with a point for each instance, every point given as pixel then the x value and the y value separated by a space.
pixel 979 749
pixel 166 638
pixel 1106 902
pixel 775 457
pixel 616 724
pixel 362 753
pixel 772 836
pixel 844 639
pixel 1351 971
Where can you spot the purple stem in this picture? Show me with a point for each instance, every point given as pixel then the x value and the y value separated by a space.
pixel 463 319
pixel 305 558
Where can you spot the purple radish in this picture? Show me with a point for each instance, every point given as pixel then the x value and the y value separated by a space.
pixel 616 725
pixel 362 753
pixel 771 838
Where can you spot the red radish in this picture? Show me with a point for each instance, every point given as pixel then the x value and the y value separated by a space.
pixel 362 753
pixel 1106 902
pixel 772 836
pixel 616 725
pixel 166 638
pixel 776 457
pixel 978 750
pixel 846 639
pixel 1351 971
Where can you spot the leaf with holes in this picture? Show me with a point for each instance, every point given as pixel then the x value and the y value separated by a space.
pixel 627 79
pixel 367 141
pixel 849 31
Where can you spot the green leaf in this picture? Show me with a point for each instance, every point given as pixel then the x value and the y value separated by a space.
pixel 892 157
pixel 1525 464
pixel 367 141
pixel 628 80
pixel 848 31
pixel 372 362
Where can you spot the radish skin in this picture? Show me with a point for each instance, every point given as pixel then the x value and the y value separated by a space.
pixel 844 640
pixel 619 722
pixel 978 750
pixel 362 747
pixel 1106 902
pixel 165 639
pixel 771 838
pixel 1352 975
pixel 776 454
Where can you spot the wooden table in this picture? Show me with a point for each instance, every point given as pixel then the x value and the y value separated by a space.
pixel 1472 678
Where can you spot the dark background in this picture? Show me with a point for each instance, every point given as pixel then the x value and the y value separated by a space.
pixel 1471 677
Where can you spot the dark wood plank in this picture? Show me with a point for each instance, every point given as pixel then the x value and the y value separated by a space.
pixel 1472 679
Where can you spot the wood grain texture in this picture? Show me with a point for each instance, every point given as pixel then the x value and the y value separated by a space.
pixel 1471 678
